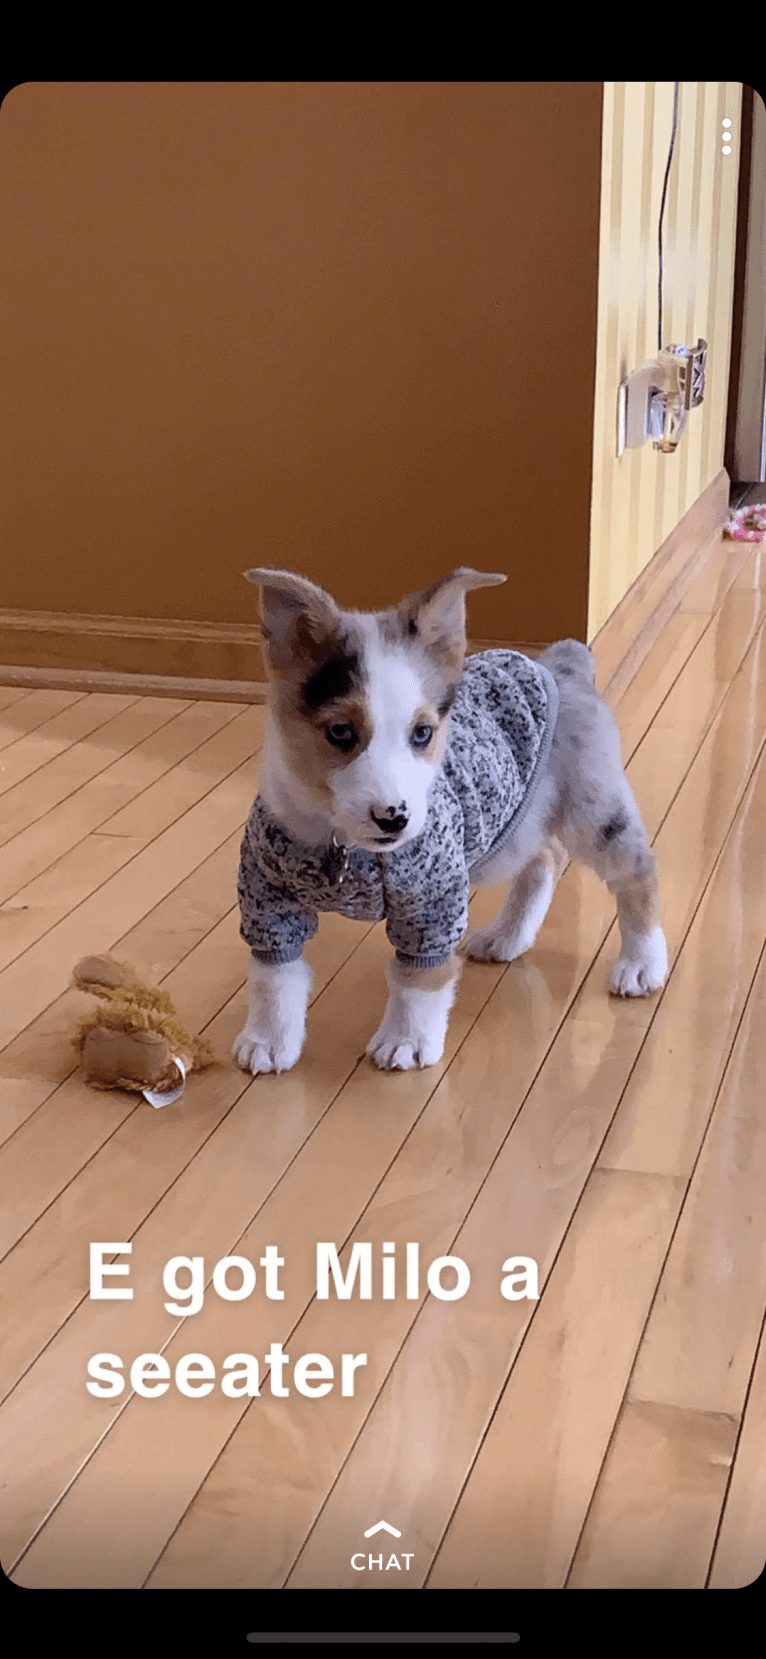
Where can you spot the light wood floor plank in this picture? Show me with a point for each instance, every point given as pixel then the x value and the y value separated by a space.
pixel 12 694
pixel 703 1332
pixel 751 573
pixel 553 1421
pixel 36 797
pixel 30 983
pixel 36 907
pixel 695 1360
pixel 740 1552
pixel 31 912
pixel 700 1011
pixel 653 1520
pixel 655 678
pixel 699 692
pixel 154 752
pixel 25 714
pixel 164 800
pixel 709 587
pixel 77 722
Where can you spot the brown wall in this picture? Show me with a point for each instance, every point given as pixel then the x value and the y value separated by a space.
pixel 345 327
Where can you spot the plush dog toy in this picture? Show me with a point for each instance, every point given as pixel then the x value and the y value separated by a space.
pixel 135 1041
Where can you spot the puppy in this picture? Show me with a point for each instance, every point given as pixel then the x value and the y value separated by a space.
pixel 399 774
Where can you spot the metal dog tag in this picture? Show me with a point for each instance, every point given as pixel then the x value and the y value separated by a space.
pixel 336 862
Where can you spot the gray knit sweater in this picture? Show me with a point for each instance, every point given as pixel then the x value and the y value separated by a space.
pixel 500 736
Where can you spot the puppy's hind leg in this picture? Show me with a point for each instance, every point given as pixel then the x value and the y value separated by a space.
pixel 642 965
pixel 518 921
pixel 599 821
pixel 619 852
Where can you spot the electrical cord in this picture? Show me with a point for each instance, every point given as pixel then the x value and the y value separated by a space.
pixel 662 212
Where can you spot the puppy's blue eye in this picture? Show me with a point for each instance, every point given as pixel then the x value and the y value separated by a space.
pixel 341 735
pixel 421 737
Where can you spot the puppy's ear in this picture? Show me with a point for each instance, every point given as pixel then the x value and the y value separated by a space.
pixel 298 618
pixel 437 614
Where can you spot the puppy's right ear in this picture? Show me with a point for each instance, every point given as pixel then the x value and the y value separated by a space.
pixel 298 618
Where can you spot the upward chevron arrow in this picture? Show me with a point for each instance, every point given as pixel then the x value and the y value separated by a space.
pixel 383 1526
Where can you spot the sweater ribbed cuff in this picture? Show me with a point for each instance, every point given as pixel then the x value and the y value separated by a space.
pixel 424 961
pixel 276 958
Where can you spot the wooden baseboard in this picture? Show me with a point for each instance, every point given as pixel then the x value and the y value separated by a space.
pixel 628 635
pixel 147 648
pixel 142 685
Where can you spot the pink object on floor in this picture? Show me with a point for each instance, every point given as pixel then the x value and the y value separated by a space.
pixel 747 524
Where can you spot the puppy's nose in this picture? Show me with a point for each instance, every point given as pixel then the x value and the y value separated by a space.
pixel 391 819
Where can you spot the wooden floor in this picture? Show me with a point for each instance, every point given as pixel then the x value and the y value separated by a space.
pixel 610 1434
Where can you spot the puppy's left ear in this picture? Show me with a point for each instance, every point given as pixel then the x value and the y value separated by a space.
pixel 437 614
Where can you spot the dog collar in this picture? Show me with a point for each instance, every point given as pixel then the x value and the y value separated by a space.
pixel 336 862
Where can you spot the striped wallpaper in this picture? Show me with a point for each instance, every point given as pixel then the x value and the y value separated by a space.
pixel 638 499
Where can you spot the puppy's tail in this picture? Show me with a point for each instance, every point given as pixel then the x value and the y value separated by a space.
pixel 570 659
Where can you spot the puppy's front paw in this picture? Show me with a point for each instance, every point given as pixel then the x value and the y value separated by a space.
pixel 258 1054
pixel 643 968
pixel 274 1035
pixel 413 1030
pixel 404 1051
